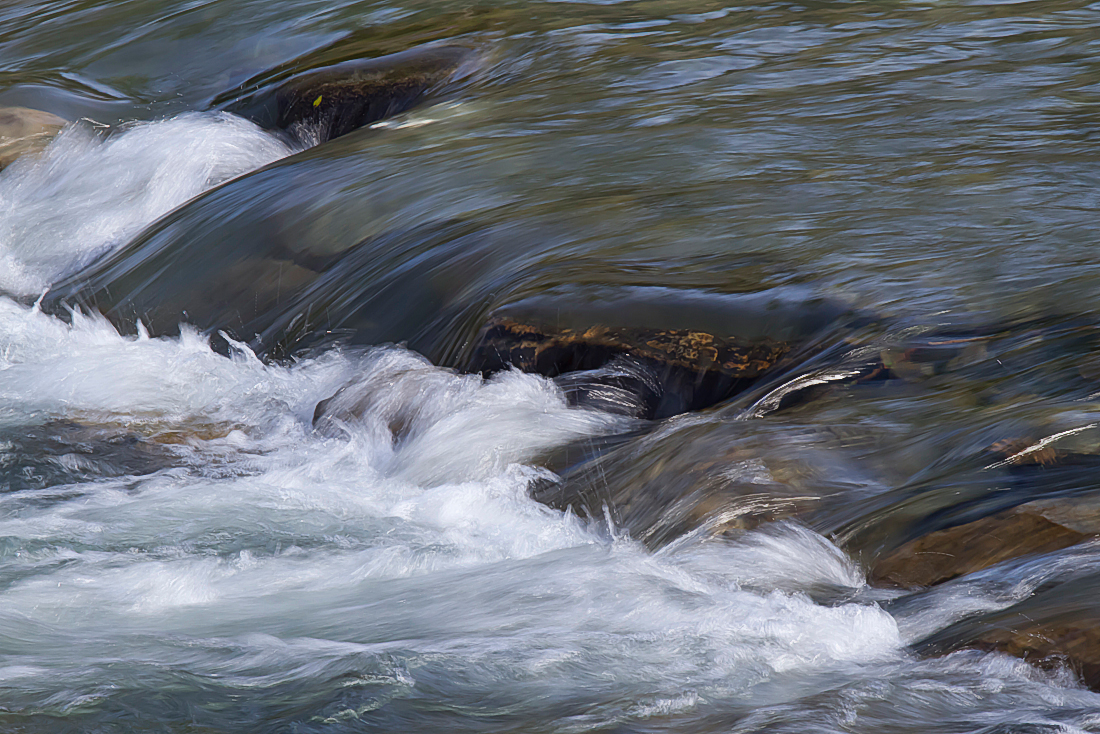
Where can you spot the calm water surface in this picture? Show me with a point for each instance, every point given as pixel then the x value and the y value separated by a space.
pixel 180 551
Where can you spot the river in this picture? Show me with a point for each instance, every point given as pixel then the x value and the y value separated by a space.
pixel 181 550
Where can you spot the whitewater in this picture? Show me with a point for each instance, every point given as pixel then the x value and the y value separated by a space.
pixel 179 545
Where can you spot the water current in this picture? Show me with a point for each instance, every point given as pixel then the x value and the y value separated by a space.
pixel 181 550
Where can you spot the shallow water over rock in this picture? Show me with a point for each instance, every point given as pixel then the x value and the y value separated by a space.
pixel 795 298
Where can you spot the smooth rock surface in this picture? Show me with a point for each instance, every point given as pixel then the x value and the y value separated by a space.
pixel 1035 527
pixel 256 289
pixel 25 131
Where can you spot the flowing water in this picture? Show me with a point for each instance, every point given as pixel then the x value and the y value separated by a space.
pixel 180 549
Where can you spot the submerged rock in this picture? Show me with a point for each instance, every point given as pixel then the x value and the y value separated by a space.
pixel 61 453
pixel 1058 626
pixel 685 479
pixel 317 105
pixel 25 131
pixel 1037 527
pixel 248 282
pixel 1026 497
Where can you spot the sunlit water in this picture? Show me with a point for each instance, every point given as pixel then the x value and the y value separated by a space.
pixel 180 550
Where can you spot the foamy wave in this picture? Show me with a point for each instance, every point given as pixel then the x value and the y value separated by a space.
pixel 88 194
pixel 413 524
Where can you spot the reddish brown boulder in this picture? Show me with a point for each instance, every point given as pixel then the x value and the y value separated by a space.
pixel 1032 528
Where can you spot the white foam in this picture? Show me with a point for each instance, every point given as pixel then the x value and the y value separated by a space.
pixel 89 193
pixel 782 555
pixel 415 524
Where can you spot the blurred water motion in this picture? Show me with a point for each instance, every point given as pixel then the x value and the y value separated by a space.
pixel 308 509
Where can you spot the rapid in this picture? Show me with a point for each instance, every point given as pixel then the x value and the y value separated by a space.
pixel 183 548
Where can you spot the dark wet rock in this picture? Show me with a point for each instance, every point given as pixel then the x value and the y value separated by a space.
pixel 1032 528
pixel 624 386
pixel 25 131
pixel 320 104
pixel 602 356
pixel 676 370
pixel 1057 626
pixel 650 352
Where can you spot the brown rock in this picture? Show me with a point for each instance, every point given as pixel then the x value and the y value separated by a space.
pixel 25 131
pixel 552 351
pixel 1060 625
pixel 692 369
pixel 1073 640
pixel 1034 527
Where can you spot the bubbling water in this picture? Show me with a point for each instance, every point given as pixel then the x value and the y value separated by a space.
pixel 422 537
